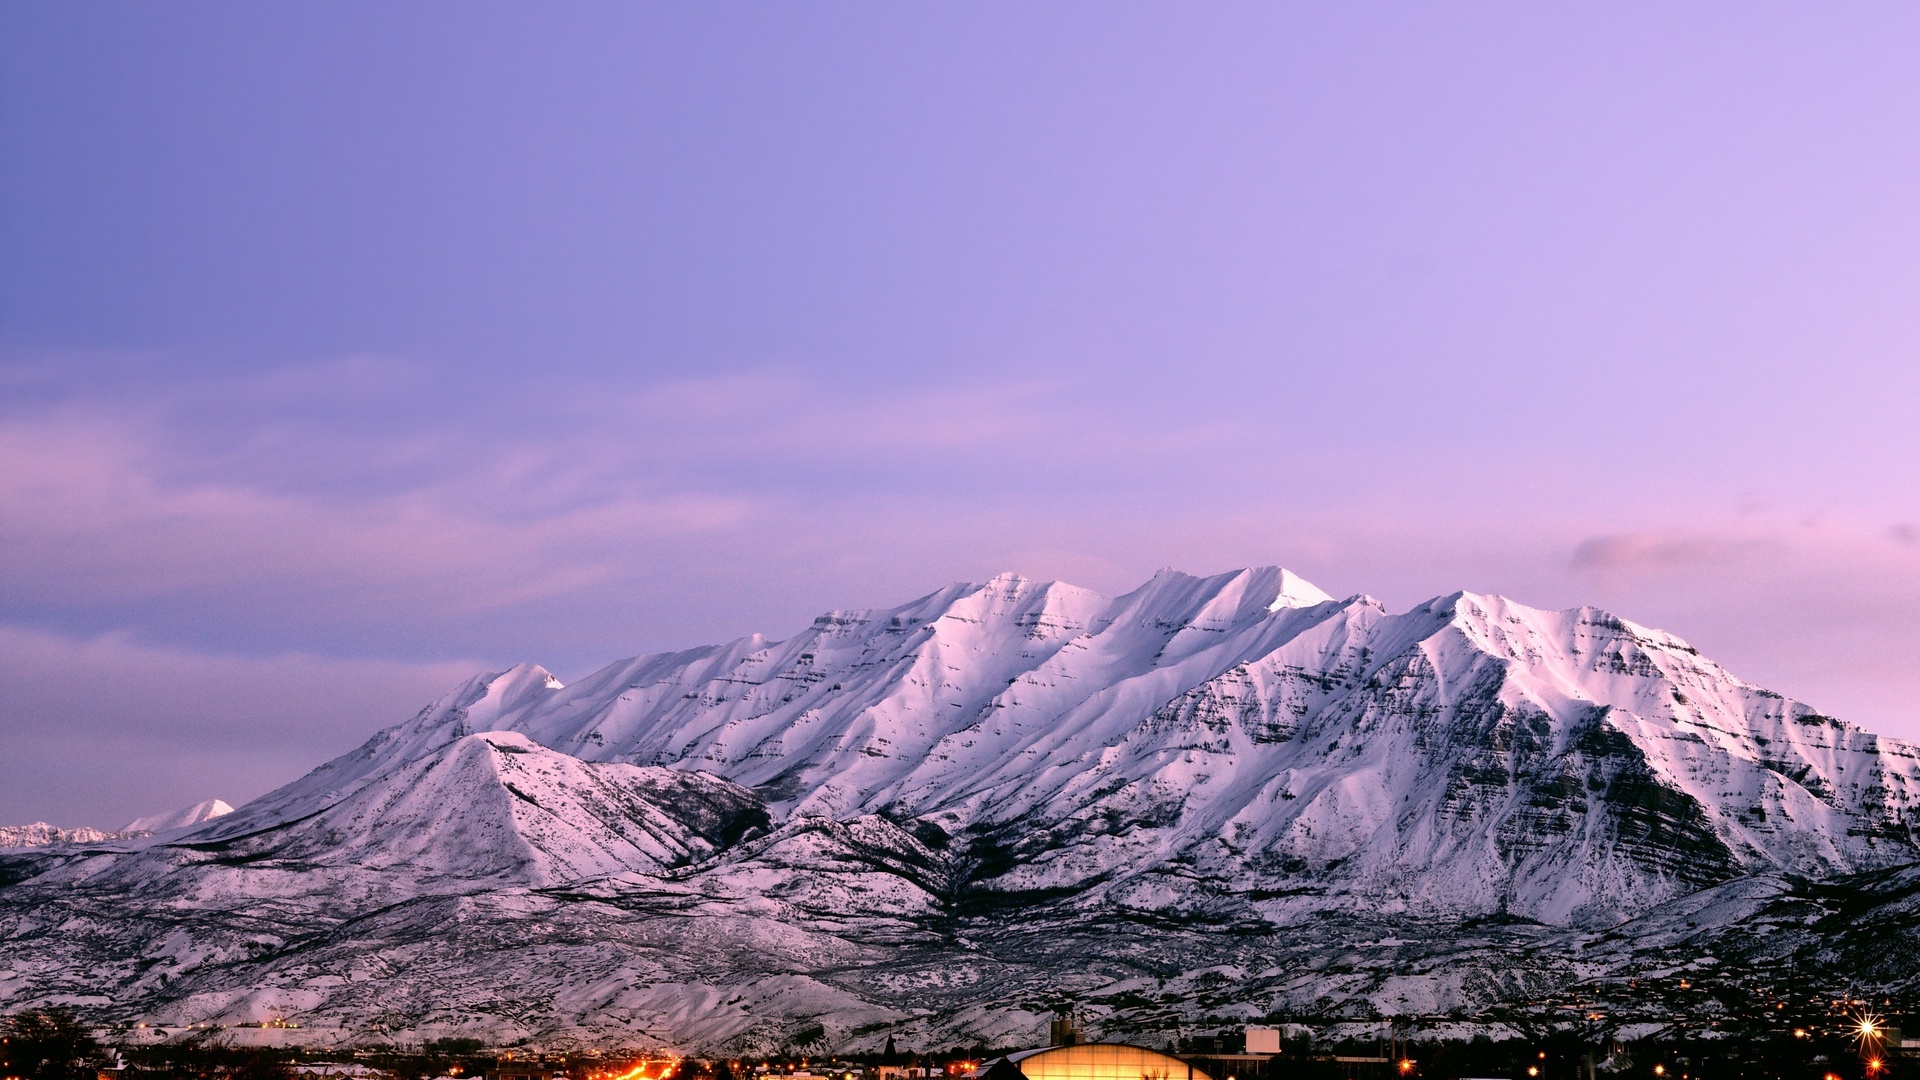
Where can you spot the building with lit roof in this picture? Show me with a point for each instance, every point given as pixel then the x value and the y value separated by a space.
pixel 1091 1061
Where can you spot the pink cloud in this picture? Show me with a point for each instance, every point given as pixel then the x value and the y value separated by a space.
pixel 1653 551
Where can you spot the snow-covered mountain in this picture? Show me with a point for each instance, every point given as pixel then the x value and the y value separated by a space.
pixel 40 834
pixel 978 801
pixel 179 819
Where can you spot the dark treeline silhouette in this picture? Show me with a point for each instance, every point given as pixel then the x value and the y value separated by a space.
pixel 47 1044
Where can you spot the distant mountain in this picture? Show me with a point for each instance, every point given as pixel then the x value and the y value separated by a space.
pixel 40 833
pixel 179 819
pixel 1220 797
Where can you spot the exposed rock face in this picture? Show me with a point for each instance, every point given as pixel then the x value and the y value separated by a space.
pixel 951 813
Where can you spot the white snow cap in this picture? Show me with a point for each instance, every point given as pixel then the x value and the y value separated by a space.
pixel 1296 591
pixel 180 819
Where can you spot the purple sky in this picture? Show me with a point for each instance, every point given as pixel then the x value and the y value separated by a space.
pixel 347 349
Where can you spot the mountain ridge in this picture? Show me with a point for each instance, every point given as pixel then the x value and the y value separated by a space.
pixel 888 753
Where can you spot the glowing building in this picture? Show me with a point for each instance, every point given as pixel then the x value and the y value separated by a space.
pixel 1092 1061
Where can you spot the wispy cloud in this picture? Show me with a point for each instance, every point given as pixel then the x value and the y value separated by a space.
pixel 95 508
pixel 1653 551
pixel 259 491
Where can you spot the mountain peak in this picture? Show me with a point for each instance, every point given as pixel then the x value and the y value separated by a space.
pixel 1296 592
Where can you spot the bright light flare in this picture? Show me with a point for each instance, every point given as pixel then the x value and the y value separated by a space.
pixel 1869 1029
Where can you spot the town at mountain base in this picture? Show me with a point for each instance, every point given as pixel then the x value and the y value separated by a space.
pixel 1210 800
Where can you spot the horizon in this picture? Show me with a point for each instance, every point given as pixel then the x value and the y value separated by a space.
pixel 347 351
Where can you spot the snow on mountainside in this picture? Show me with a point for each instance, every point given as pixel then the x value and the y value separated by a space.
pixel 981 798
